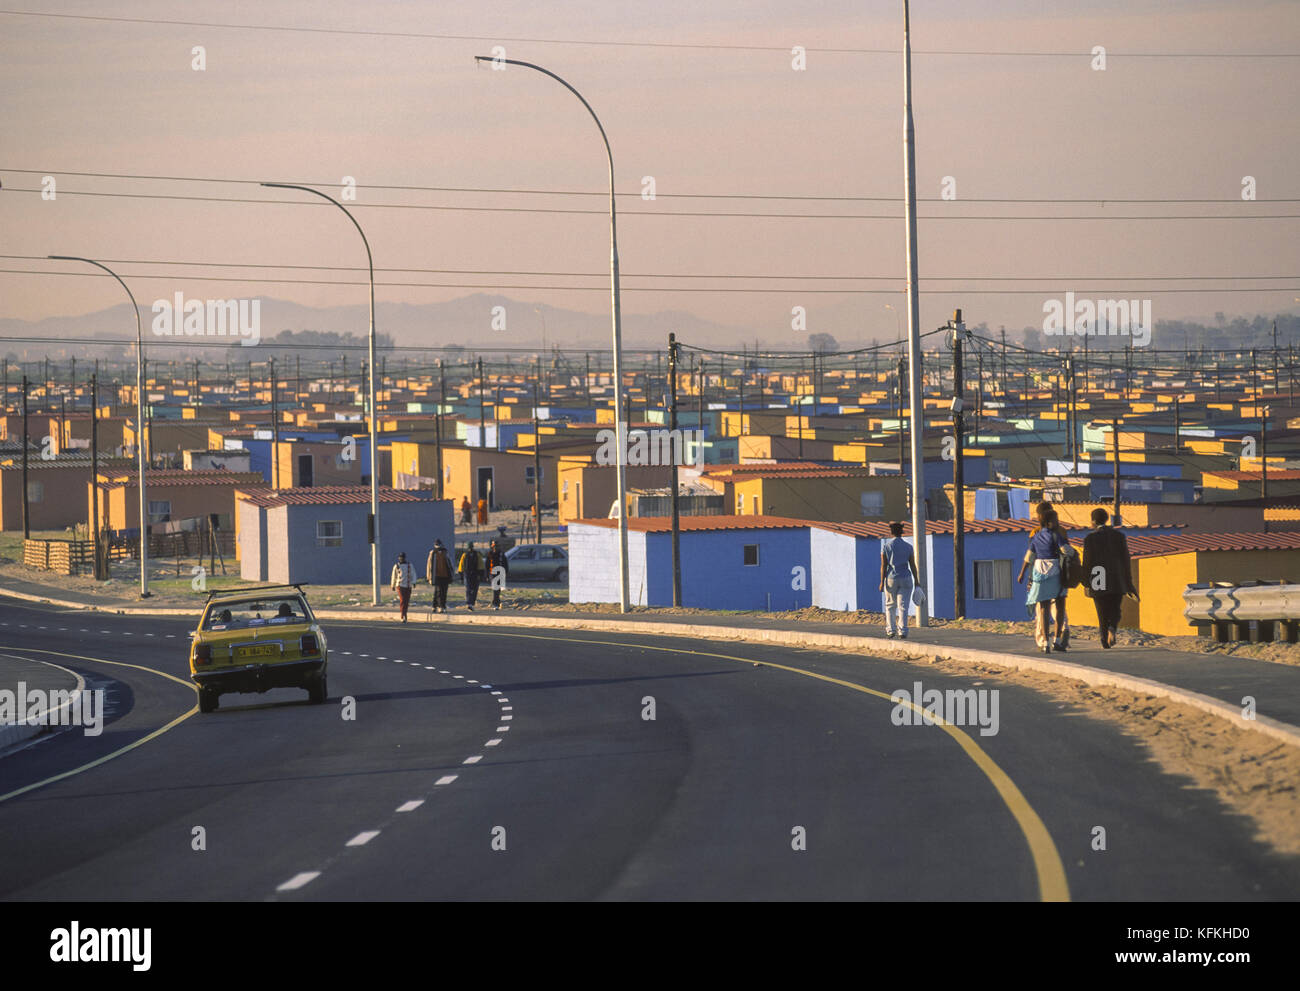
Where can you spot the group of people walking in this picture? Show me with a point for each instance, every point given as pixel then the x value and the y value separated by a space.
pixel 1054 566
pixel 471 568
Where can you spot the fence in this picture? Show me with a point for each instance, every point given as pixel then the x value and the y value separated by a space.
pixel 1258 612
pixel 64 557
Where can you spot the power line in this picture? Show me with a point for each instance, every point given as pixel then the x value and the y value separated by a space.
pixel 1099 200
pixel 696 46
pixel 232 280
pixel 650 213
pixel 688 275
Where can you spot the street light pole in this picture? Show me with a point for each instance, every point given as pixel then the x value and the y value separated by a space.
pixel 620 428
pixel 913 327
pixel 374 411
pixel 139 418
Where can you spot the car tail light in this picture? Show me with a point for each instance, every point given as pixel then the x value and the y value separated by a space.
pixel 310 645
pixel 203 653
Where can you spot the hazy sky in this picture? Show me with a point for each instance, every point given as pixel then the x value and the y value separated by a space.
pixel 81 95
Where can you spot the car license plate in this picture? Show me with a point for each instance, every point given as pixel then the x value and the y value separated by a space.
pixel 260 650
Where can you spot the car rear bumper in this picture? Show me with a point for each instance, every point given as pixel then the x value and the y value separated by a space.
pixel 248 678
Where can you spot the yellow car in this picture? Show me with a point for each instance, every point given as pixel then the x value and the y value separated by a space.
pixel 256 639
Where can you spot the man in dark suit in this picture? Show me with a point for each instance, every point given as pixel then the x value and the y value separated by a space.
pixel 1107 574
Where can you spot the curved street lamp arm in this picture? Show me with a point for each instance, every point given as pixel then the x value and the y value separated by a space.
pixel 326 196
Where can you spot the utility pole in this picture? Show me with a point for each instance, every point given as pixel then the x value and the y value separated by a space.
pixel 482 415
pixel 275 433
pixel 437 424
pixel 94 480
pixel 27 527
pixel 1115 444
pixel 586 381
pixel 674 496
pixel 537 466
pixel 902 437
pixel 699 397
pixel 958 471
pixel 1263 463
pixel 1178 446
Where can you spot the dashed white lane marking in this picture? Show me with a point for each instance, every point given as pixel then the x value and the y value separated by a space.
pixel 496 693
pixel 444 672
pixel 506 719
pixel 125 633
pixel 346 653
pixel 361 839
pixel 507 708
pixel 105 631
pixel 470 681
pixel 492 743
pixel 503 702
pixel 446 779
pixel 171 636
pixel 503 729
pixel 82 630
pixel 410 806
pixel 472 760
pixel 298 880
pixel 430 667
pixel 487 686
pixel 458 676
pixel 363 655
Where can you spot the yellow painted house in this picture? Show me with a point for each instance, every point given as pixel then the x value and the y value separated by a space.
pixel 1165 564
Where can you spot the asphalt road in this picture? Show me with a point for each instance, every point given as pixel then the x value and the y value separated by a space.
pixel 485 764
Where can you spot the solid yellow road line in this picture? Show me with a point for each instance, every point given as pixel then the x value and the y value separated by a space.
pixel 1052 885
pixel 116 753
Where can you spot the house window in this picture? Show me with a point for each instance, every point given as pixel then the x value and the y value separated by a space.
pixel 160 512
pixel 740 504
pixel 751 555
pixel 528 474
pixel 1000 466
pixel 872 503
pixel 329 533
pixel 992 579
pixel 35 491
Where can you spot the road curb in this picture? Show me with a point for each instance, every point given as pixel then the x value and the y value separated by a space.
pixel 12 734
pixel 1273 728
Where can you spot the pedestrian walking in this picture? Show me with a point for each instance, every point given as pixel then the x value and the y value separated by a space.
pixel 1045 586
pixel 897 572
pixel 496 559
pixel 403 580
pixel 438 572
pixel 1107 574
pixel 470 568
pixel 1070 569
pixel 465 510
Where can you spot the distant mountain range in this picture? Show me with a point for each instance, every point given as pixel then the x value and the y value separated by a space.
pixel 469 321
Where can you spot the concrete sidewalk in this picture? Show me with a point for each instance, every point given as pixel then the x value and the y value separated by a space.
pixel 1225 679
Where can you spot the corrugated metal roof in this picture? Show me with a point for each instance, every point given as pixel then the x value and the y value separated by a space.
pixel 327 495
pixel 120 477
pixel 664 524
pixel 1180 543
pixel 1274 474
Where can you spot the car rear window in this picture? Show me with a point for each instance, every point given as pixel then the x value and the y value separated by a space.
pixel 271 611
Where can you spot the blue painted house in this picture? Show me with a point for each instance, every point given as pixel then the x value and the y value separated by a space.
pixel 321 535
pixel 728 562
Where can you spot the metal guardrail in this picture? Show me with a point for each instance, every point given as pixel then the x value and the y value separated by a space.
pixel 1257 611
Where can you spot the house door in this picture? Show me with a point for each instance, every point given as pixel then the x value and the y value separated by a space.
pixel 483 488
pixel 304 470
